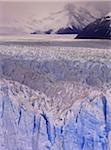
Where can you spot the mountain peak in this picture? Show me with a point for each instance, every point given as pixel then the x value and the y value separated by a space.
pixel 109 14
pixel 68 19
pixel 108 17
pixel 99 29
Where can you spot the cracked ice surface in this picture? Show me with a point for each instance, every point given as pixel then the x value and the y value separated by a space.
pixel 56 99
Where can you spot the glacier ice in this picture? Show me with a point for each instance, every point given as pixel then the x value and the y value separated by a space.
pixel 54 103
pixel 86 125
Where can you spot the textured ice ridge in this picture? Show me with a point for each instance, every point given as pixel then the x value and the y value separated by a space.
pixel 55 100
pixel 85 126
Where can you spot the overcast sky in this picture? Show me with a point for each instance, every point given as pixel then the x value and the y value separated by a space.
pixel 41 9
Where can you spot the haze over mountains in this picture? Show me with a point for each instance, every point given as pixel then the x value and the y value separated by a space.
pixel 61 18
pixel 71 19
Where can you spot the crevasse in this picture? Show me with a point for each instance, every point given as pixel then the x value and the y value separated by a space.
pixel 54 99
pixel 86 126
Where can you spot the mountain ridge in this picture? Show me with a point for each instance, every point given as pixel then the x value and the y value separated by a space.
pixel 99 29
pixel 70 19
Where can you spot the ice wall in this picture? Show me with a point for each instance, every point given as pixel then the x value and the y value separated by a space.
pixel 85 126
pixel 54 104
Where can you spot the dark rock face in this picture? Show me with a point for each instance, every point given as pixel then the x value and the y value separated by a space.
pixel 68 30
pixel 49 31
pixel 99 29
pixel 34 33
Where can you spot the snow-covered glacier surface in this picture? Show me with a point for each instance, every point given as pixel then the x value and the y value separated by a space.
pixel 54 98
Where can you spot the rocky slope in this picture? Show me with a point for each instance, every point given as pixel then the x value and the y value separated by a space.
pixel 99 29
pixel 55 100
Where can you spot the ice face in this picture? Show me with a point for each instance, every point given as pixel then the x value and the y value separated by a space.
pixel 56 101
pixel 86 125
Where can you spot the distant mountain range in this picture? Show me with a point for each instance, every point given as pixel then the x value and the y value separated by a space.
pixel 70 19
pixel 99 29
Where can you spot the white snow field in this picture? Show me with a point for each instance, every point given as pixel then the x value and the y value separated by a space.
pixel 55 95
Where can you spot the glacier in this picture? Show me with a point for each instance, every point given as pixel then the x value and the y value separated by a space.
pixel 55 99
pixel 86 125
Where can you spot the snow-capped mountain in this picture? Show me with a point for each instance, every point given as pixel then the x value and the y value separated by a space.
pixel 69 19
pixel 99 29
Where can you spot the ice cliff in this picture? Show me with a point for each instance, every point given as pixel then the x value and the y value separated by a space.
pixel 86 125
pixel 58 104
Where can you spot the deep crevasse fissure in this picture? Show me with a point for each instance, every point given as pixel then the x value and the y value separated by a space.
pixel 89 131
